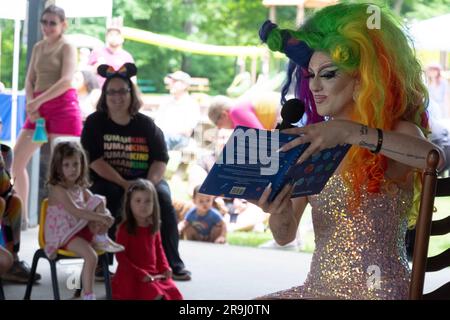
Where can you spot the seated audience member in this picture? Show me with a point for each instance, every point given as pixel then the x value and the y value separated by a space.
pixel 10 222
pixel 6 260
pixel 203 223
pixel 178 116
pixel 123 145
pixel 88 91
pixel 259 112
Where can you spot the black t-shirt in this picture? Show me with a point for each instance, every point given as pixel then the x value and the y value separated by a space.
pixel 130 149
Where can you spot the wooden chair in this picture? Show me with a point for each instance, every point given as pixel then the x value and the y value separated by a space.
pixel 2 293
pixel 61 254
pixel 426 227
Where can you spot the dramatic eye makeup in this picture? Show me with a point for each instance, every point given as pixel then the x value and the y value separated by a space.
pixel 327 73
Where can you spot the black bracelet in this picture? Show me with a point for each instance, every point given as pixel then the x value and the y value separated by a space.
pixel 380 141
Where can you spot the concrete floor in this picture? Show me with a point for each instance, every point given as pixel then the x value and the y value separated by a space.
pixel 219 272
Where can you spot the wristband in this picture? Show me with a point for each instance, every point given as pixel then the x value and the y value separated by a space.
pixel 380 141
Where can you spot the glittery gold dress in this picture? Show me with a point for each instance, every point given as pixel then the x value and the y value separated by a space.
pixel 358 255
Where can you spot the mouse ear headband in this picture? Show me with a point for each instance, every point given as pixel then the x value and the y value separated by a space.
pixel 284 40
pixel 126 71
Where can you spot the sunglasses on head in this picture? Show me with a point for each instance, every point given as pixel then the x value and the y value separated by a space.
pixel 49 23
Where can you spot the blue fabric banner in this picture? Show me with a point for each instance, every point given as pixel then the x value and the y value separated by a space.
pixel 5 114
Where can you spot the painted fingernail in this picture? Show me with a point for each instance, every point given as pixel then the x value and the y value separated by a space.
pixel 269 185
pixel 280 150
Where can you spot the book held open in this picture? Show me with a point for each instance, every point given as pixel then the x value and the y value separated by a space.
pixel 250 161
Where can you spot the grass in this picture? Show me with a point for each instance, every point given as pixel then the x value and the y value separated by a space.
pixel 249 239
pixel 254 239
pixel 440 243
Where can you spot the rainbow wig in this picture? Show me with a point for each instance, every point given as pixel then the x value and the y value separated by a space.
pixel 391 87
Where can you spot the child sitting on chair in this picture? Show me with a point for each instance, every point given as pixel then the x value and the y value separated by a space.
pixel 203 223
pixel 11 221
pixel 143 272
pixel 6 258
pixel 76 219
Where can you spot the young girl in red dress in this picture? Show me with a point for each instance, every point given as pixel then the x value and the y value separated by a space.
pixel 143 272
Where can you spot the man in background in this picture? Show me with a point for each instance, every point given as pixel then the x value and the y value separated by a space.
pixel 178 116
pixel 112 53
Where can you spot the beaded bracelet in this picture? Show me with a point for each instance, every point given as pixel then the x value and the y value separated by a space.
pixel 380 141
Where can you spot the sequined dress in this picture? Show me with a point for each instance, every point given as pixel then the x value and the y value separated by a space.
pixel 358 255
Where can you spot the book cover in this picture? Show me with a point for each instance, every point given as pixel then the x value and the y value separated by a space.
pixel 250 161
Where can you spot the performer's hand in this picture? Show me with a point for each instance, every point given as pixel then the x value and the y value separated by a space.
pixel 321 135
pixel 280 204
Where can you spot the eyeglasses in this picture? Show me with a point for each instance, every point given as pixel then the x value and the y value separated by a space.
pixel 49 23
pixel 120 92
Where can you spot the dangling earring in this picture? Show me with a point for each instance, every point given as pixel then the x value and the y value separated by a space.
pixel 355 95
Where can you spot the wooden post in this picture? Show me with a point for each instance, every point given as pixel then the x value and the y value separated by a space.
pixel 254 70
pixel 423 227
pixel 300 14
pixel 273 14
pixel 35 9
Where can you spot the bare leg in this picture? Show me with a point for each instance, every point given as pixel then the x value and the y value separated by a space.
pixel 2 208
pixel 82 248
pixel 216 231
pixel 23 151
pixel 192 234
pixel 6 261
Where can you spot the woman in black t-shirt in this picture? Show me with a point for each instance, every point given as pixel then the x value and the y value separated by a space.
pixel 122 145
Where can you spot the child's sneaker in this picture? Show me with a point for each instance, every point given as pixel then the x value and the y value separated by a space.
pixel 107 245
pixel 89 296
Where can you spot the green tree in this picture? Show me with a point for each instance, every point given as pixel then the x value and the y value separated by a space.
pixel 226 22
pixel 414 9
pixel 7 54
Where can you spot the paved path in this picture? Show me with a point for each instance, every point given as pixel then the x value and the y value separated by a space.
pixel 219 272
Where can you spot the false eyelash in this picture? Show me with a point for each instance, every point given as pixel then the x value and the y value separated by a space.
pixel 329 74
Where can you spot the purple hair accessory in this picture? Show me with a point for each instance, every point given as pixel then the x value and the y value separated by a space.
pixel 284 41
pixel 265 30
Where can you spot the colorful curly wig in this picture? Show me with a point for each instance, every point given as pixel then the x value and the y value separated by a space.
pixel 391 87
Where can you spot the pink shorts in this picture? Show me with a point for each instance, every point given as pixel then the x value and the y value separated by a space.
pixel 84 233
pixel 62 115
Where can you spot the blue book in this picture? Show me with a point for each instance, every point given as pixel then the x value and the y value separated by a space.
pixel 250 161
